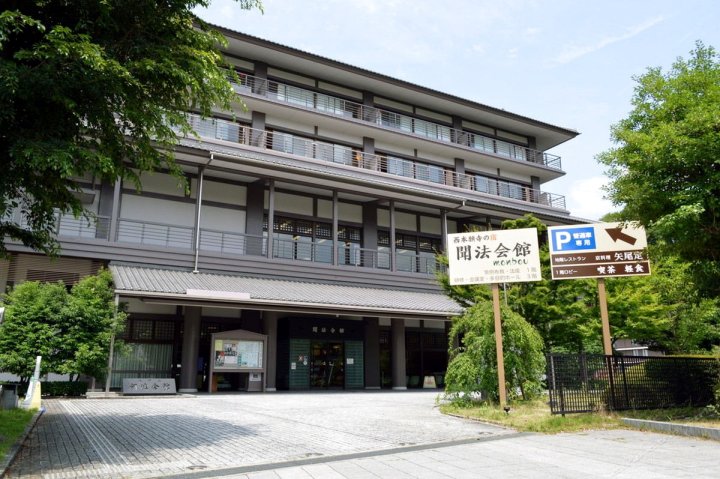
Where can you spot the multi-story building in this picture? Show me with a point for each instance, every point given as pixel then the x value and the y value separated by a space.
pixel 313 218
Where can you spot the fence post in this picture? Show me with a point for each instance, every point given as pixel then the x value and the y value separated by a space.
pixel 611 381
pixel 624 378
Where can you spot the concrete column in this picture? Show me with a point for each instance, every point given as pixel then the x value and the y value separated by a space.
pixel 443 230
pixel 397 341
pixel 372 353
pixel 369 234
pixel 270 328
pixel 191 344
pixel 271 218
pixel 393 259
pixel 115 211
pixel 335 227
pixel 534 195
pixel 260 72
pixel 254 214
pixel 258 128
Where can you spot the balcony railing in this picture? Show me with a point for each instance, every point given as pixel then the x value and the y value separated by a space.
pixel 243 244
pixel 344 108
pixel 68 226
pixel 286 143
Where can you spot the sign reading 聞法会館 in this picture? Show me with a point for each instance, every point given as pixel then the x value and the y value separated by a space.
pixel 503 256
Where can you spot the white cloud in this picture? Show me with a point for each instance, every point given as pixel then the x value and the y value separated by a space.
pixel 573 52
pixel 585 198
pixel 513 53
pixel 478 48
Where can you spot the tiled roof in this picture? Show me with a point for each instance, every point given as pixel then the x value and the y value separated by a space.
pixel 143 280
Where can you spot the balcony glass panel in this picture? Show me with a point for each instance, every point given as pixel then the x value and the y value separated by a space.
pixel 400 167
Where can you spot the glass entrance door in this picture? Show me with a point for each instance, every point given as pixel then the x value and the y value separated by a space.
pixel 327 365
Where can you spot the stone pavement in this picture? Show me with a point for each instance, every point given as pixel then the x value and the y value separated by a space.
pixel 329 435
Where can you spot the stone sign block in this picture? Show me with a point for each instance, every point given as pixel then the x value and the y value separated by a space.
pixel 148 386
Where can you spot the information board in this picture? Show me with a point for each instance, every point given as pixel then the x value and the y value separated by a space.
pixel 598 250
pixel 237 353
pixel 503 256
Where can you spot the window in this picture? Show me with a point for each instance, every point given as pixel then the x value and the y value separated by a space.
pixel 415 253
pixel 312 241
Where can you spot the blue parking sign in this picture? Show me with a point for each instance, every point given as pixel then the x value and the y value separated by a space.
pixel 572 239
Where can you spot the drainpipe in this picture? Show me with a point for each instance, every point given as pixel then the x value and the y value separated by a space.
pixel 198 207
pixel 112 346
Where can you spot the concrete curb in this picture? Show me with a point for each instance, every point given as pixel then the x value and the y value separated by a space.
pixel 15 448
pixel 673 428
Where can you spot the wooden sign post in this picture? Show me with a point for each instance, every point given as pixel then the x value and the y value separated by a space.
pixel 599 250
pixel 502 390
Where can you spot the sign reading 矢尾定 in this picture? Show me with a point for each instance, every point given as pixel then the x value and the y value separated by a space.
pixel 503 256
pixel 598 250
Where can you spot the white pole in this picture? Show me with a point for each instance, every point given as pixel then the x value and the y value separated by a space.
pixel 112 346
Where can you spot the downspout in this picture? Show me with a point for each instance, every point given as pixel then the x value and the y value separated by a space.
pixel 112 345
pixel 198 208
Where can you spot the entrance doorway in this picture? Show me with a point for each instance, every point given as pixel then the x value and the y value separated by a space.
pixel 327 365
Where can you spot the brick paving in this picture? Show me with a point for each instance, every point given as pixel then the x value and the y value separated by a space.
pixel 333 436
pixel 144 437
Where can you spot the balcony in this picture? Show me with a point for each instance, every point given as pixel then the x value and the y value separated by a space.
pixel 229 131
pixel 329 105
pixel 226 243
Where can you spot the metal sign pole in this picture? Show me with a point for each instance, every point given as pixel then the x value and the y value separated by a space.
pixel 604 317
pixel 499 345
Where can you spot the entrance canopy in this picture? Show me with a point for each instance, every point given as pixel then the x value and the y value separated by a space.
pixel 182 286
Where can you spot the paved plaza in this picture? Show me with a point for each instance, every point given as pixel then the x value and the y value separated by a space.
pixel 329 435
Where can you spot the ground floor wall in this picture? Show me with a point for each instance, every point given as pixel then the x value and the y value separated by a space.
pixel 304 351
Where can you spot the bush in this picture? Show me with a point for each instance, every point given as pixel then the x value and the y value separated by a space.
pixel 473 367
pixel 64 388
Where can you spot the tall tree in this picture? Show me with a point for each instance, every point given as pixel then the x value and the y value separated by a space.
pixel 665 169
pixel 96 87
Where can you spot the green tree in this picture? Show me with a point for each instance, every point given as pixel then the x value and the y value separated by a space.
pixel 665 170
pixel 473 364
pixel 93 87
pixel 30 329
pixel 88 321
pixel 561 311
pixel 71 331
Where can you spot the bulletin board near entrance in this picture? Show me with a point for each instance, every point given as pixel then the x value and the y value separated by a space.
pixel 239 351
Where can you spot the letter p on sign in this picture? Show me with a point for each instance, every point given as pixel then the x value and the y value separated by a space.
pixel 561 239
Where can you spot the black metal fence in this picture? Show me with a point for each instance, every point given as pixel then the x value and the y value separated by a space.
pixel 585 382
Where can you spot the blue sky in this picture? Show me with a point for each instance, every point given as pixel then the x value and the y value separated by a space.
pixel 568 63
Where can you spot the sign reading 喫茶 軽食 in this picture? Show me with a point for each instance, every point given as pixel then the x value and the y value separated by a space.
pixel 502 256
pixel 598 250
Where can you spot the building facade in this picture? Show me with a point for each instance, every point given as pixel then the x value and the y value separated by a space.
pixel 313 218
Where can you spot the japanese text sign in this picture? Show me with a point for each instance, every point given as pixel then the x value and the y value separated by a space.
pixel 503 256
pixel 598 250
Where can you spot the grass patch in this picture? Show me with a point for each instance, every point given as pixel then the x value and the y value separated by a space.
pixel 12 425
pixel 534 416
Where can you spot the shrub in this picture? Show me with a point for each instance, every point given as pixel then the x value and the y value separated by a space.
pixel 64 388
